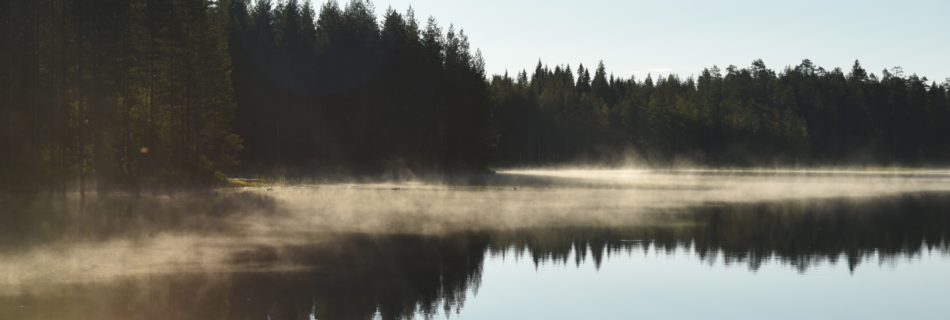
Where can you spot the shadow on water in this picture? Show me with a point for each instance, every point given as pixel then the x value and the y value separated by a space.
pixel 352 275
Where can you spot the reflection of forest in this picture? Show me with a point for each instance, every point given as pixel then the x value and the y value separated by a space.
pixel 352 279
pixel 800 233
pixel 357 275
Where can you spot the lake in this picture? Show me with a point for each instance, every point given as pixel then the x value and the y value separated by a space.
pixel 534 243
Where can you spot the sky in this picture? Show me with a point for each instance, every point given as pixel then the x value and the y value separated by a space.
pixel 678 36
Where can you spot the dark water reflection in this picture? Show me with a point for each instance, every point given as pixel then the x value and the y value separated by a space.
pixel 358 275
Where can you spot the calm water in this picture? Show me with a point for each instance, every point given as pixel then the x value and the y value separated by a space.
pixel 536 244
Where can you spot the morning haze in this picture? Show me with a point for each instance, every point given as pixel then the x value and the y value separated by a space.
pixel 239 159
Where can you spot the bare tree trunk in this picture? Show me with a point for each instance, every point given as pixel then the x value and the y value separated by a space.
pixel 150 98
pixel 126 159
pixel 63 100
pixel 82 146
pixel 81 114
pixel 54 103
pixel 34 139
pixel 8 39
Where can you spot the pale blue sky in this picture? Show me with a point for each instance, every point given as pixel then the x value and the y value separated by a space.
pixel 680 36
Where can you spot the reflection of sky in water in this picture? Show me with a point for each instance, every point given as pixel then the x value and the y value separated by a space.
pixel 681 286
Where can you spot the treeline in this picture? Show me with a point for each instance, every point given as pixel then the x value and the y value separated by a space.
pixel 338 89
pixel 132 93
pixel 804 115
pixel 118 94
pixel 156 93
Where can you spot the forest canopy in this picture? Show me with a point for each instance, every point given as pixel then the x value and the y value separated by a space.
pixel 136 94
pixel 803 115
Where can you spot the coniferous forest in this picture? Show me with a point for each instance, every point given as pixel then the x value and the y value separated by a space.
pixel 133 94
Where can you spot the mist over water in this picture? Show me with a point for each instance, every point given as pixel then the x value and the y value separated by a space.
pixel 395 249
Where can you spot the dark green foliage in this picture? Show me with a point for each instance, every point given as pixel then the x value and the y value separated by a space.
pixel 750 116
pixel 132 94
pixel 346 91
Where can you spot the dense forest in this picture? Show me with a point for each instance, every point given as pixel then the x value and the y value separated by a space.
pixel 804 115
pixel 120 93
pixel 338 89
pixel 126 94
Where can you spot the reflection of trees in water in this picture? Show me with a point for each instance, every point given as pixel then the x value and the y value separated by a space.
pixel 800 233
pixel 395 275
pixel 353 278
pixel 358 275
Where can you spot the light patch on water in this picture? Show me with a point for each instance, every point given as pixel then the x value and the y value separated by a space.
pixel 691 186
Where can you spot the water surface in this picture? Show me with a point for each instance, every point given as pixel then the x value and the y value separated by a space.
pixel 568 244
